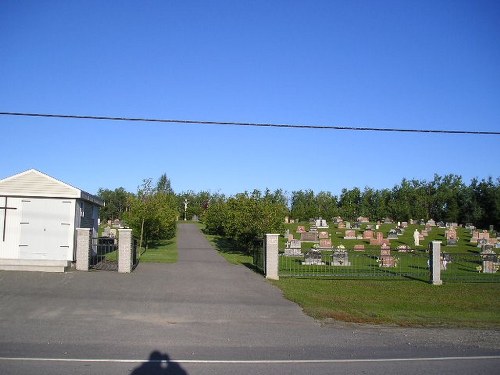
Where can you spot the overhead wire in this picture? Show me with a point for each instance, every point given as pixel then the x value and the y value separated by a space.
pixel 253 124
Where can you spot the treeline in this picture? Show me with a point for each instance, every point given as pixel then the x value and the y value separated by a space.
pixel 446 199
pixel 154 209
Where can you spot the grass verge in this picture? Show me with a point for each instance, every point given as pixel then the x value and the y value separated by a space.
pixel 402 303
pixel 164 251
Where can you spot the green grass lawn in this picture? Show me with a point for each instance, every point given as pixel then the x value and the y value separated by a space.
pixel 164 251
pixel 403 303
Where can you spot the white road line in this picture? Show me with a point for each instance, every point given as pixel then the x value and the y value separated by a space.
pixel 272 361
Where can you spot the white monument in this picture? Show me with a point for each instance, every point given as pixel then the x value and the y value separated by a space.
pixel 416 237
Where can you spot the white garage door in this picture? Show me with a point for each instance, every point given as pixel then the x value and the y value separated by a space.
pixel 46 229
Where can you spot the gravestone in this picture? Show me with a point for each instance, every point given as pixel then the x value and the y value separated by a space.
pixel 404 224
pixel 321 223
pixel 289 237
pixel 451 237
pixel 325 243
pixel 347 225
pixel 287 232
pixel 340 257
pixel 378 240
pixel 293 249
pixel 431 223
pixel 490 259
pixel 341 225
pixel 356 225
pixel 359 247
pixel 323 235
pixel 313 258
pixel 106 232
pixel 386 259
pixel 309 236
pixel 350 234
pixel 393 235
pixel 113 232
pixel 301 229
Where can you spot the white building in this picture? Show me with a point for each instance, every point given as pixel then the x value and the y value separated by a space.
pixel 38 220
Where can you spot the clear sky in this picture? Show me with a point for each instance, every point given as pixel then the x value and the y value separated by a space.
pixel 391 64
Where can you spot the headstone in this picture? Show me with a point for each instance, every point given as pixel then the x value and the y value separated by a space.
pixel 287 232
pixel 301 229
pixel 341 225
pixel 404 224
pixel 356 225
pixel 293 249
pixel 363 219
pixel 106 232
pixel 309 236
pixel 451 237
pixel 378 240
pixel 321 223
pixel 431 223
pixel 325 243
pixel 393 235
pixel 340 258
pixel 386 259
pixel 290 237
pixel 359 247
pixel 350 234
pixel 490 259
pixel 347 225
pixel 313 258
pixel 112 233
pixel 323 235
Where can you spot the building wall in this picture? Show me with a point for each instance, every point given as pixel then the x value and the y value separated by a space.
pixel 39 228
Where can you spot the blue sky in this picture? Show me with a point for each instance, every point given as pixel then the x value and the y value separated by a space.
pixel 392 64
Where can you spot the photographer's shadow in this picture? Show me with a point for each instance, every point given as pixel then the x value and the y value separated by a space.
pixel 159 364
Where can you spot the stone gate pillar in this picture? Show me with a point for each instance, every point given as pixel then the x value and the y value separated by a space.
pixel 83 248
pixel 435 263
pixel 125 255
pixel 271 254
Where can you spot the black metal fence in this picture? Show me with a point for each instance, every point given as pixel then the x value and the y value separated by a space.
pixel 104 254
pixel 349 264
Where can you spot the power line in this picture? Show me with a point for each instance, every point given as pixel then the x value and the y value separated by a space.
pixel 255 124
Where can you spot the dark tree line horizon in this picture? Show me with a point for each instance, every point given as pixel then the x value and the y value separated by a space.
pixel 444 198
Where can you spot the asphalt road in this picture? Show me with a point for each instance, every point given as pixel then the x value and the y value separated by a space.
pixel 206 317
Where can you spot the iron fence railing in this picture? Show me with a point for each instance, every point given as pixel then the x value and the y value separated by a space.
pixel 469 267
pixel 104 254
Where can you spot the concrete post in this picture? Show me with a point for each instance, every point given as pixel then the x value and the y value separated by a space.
pixel 125 250
pixel 83 248
pixel 271 254
pixel 435 263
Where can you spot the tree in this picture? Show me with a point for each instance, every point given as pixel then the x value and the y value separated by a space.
pixel 246 217
pixel 115 203
pixel 163 185
pixel 153 213
pixel 304 205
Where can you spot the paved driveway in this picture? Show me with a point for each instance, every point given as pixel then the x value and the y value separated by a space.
pixel 199 309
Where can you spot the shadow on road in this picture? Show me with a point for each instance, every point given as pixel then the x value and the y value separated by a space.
pixel 159 364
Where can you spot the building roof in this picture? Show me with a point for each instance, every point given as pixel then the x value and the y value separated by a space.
pixel 33 183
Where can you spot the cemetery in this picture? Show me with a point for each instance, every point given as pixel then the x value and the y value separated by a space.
pixel 387 250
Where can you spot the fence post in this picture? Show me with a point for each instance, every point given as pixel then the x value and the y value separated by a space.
pixel 271 254
pixel 435 263
pixel 83 248
pixel 125 262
